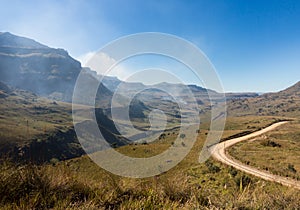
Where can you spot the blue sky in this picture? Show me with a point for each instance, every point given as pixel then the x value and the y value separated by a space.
pixel 254 45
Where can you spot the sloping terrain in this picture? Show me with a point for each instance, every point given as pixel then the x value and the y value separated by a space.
pixel 277 151
pixel 81 184
pixel 283 103
pixel 45 71
pixel 39 129
pixel 220 154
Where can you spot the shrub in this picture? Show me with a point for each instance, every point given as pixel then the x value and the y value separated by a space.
pixel 242 181
pixel 162 136
pixel 269 143
pixel 54 161
pixel 211 167
pixel 144 142
pixel 182 136
pixel 291 168
pixel 232 171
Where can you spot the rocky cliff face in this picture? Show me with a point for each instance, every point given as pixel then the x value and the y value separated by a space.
pixel 29 65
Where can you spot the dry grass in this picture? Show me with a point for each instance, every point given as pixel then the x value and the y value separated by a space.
pixel 60 187
pixel 25 116
pixel 80 184
pixel 278 151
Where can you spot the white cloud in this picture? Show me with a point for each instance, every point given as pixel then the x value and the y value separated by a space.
pixel 103 64
pixel 137 69
pixel 85 58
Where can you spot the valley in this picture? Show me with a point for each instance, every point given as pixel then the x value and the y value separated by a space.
pixel 45 166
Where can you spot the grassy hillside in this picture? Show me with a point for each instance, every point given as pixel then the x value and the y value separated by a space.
pixel 283 103
pixel 35 128
pixel 80 184
pixel 38 129
pixel 43 166
pixel 277 151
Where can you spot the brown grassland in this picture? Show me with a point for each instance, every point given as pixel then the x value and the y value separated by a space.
pixel 80 184
pixel 277 151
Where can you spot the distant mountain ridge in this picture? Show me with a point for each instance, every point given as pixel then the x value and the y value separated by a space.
pixel 292 91
pixel 29 65
pixel 44 71
pixel 282 103
pixel 9 40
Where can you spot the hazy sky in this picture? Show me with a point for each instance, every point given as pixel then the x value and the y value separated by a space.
pixel 254 45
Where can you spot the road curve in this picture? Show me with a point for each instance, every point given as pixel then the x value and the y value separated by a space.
pixel 219 153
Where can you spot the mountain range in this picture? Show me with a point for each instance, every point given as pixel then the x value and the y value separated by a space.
pixel 36 88
pixel 282 103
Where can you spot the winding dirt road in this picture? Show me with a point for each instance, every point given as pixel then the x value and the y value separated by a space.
pixel 219 153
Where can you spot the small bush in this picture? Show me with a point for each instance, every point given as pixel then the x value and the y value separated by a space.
pixel 269 143
pixel 182 136
pixel 232 171
pixel 211 167
pixel 54 161
pixel 144 142
pixel 291 168
pixel 242 181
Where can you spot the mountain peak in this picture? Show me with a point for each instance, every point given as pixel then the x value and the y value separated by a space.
pixel 10 40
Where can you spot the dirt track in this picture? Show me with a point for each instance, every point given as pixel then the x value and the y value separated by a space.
pixel 219 153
